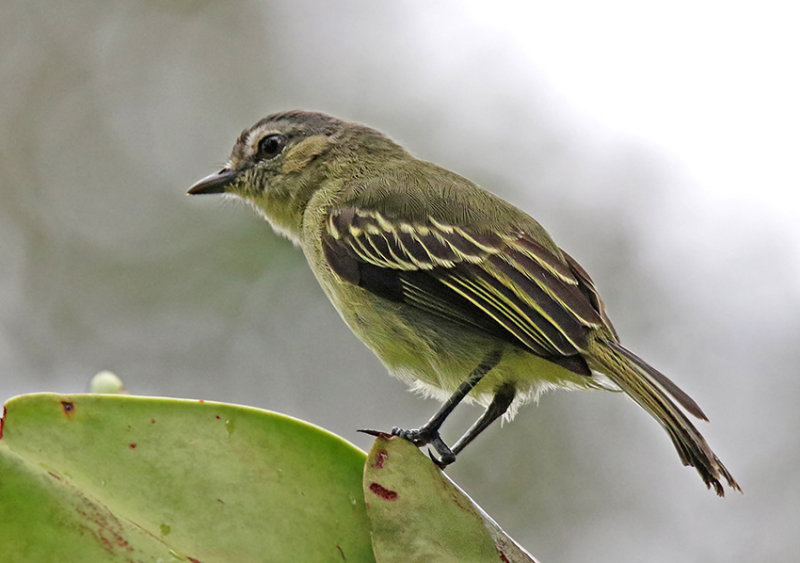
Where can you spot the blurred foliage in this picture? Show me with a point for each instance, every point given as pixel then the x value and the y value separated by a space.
pixel 111 110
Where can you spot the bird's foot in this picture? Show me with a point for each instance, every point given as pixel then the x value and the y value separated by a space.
pixel 423 436
pixel 417 436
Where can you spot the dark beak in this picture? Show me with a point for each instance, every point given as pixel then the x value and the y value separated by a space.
pixel 214 183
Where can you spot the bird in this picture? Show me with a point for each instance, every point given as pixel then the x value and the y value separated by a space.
pixel 459 293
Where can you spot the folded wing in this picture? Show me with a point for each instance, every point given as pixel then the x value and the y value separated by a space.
pixel 502 283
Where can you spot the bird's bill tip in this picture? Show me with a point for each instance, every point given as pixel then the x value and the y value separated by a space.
pixel 213 183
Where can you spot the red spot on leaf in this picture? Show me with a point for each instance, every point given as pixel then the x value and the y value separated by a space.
pixel 53 475
pixel 383 492
pixel 68 407
pixel 380 458
pixel 218 417
pixel 2 422
pixel 503 558
pixel 152 421
pixel 199 401
pixel 132 446
pixel 341 552
pixel 193 560
pixel 219 500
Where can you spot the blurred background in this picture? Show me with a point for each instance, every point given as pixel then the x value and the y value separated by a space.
pixel 657 144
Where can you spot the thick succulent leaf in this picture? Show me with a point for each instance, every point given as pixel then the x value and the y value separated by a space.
pixel 107 478
pixel 418 514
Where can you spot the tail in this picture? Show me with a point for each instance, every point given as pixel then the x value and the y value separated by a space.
pixel 654 392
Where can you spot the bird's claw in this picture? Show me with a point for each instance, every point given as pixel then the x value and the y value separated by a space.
pixel 436 461
pixel 421 437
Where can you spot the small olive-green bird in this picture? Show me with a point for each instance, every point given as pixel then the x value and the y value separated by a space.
pixel 458 292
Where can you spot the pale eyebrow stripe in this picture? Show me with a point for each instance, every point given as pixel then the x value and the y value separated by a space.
pixel 258 133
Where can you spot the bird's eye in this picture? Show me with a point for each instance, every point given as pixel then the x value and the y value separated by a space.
pixel 271 146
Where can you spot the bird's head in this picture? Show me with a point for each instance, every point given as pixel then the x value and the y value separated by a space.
pixel 277 164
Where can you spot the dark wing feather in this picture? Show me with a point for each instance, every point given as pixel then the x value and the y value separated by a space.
pixel 503 284
pixel 586 285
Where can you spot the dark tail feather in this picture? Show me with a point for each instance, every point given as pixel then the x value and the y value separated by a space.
pixel 677 393
pixel 652 391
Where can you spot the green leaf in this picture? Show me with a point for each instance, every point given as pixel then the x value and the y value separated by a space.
pixel 110 477
pixel 419 514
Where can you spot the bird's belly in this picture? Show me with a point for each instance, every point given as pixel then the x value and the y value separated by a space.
pixel 435 355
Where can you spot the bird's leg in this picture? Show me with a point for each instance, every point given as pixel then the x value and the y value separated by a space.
pixel 503 398
pixel 429 432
